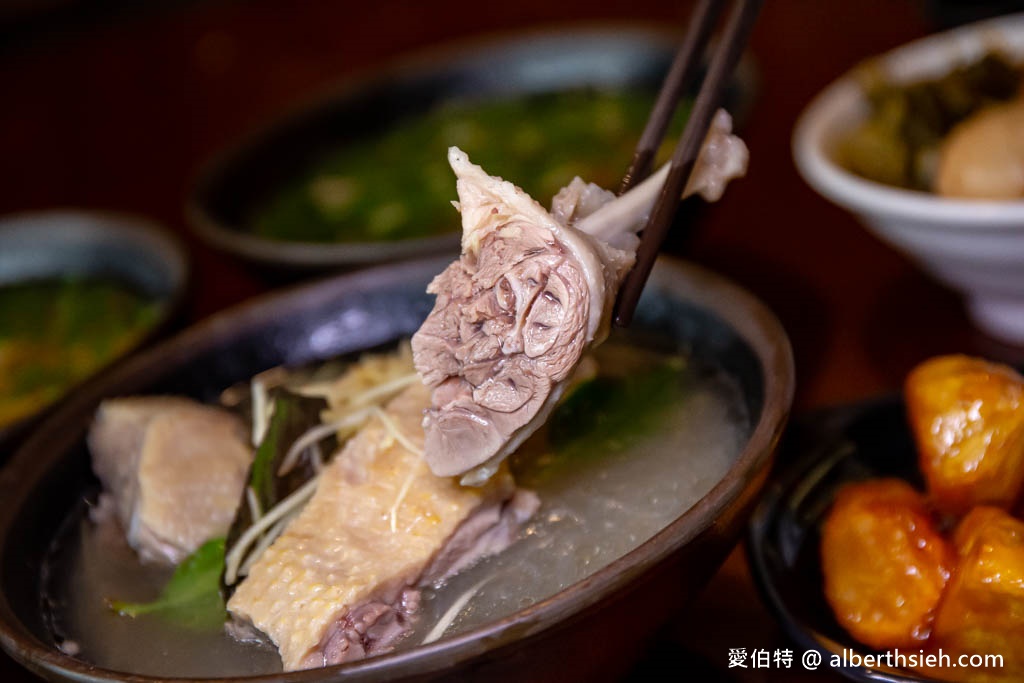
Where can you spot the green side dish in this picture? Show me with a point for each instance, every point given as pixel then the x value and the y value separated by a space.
pixel 397 185
pixel 56 333
pixel 898 143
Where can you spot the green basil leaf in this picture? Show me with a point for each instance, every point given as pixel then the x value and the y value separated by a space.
pixel 192 598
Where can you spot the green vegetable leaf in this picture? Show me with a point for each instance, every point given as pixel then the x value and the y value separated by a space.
pixel 292 416
pixel 192 597
pixel 603 415
pixel 261 476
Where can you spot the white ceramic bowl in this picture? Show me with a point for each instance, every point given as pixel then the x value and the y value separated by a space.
pixel 975 246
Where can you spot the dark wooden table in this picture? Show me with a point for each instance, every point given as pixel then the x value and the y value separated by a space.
pixel 118 112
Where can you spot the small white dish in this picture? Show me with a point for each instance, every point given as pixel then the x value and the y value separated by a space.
pixel 974 246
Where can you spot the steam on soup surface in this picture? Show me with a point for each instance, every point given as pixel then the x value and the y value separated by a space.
pixel 627 452
pixel 55 333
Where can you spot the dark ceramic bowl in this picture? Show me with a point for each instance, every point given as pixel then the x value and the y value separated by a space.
pixel 554 640
pixel 826 451
pixel 69 243
pixel 232 185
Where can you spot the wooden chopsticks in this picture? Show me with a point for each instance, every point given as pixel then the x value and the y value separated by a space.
pixel 684 67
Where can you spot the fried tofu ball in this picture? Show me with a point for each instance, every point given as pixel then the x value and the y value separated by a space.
pixel 884 562
pixel 982 612
pixel 967 417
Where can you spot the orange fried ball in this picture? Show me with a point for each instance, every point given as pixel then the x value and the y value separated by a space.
pixel 982 612
pixel 967 417
pixel 885 564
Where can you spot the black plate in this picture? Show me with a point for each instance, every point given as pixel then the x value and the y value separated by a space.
pixel 550 60
pixel 824 451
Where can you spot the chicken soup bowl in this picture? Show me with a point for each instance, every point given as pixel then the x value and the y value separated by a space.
pixel 975 246
pixel 253 200
pixel 710 321
pixel 72 251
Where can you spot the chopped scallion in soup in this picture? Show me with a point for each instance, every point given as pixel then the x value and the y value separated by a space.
pixel 55 333
pixel 396 185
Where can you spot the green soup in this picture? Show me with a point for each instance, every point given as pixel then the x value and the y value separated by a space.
pixel 55 333
pixel 398 185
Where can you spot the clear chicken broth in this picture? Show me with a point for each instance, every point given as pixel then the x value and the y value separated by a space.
pixel 601 498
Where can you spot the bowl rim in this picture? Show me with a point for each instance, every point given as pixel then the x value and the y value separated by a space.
pixel 137 229
pixel 829 112
pixel 80 224
pixel 753 322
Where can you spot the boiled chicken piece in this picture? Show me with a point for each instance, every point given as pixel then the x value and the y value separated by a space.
pixel 342 581
pixel 148 451
pixel 530 292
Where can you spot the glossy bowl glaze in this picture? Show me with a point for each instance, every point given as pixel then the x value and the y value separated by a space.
pixel 554 639
pixel 974 246
pixel 540 61
pixel 59 244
